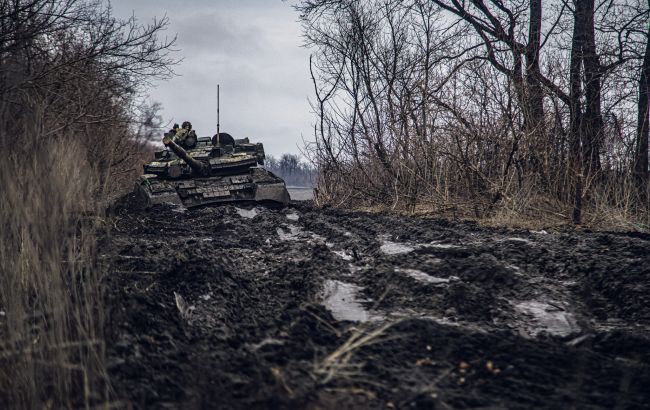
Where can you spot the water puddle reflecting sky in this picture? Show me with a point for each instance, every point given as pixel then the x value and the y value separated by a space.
pixel 247 213
pixel 342 300
pixel 548 318
pixel 290 235
pixel 395 248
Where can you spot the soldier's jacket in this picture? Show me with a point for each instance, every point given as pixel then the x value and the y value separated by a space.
pixel 183 134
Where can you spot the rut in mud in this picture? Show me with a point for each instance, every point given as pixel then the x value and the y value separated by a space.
pixel 233 307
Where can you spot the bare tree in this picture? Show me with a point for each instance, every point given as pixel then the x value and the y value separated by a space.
pixel 473 102
pixel 641 151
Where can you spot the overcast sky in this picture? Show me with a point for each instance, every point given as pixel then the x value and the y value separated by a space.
pixel 252 48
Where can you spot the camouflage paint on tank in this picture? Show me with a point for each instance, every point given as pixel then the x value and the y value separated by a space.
pixel 218 174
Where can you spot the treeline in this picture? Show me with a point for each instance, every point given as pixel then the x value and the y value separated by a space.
pixel 292 169
pixel 71 132
pixel 494 106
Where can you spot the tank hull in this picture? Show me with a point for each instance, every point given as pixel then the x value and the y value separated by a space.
pixel 255 185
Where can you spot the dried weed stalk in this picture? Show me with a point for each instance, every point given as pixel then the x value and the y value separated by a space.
pixel 340 363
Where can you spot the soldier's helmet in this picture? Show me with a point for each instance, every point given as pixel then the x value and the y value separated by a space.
pixel 187 125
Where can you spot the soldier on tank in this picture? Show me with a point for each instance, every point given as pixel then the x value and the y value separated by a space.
pixel 184 136
pixel 173 131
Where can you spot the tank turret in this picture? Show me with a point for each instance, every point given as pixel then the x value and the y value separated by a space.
pixel 199 168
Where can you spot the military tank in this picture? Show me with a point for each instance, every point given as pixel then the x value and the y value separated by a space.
pixel 207 171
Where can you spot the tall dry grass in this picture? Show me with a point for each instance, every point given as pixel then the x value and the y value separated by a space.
pixel 71 78
pixel 51 325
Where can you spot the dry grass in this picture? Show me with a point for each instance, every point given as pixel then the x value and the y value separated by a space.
pixel 612 205
pixel 51 328
pixel 617 205
pixel 341 362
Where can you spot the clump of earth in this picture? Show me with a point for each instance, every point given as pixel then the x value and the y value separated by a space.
pixel 305 308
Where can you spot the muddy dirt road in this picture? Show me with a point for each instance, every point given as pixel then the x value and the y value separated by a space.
pixel 249 307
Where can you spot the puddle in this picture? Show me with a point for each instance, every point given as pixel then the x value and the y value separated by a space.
pixel 295 234
pixel 247 213
pixel 290 235
pixel 421 276
pixel 395 248
pixel 548 318
pixel 293 217
pixel 341 300
pixel 515 239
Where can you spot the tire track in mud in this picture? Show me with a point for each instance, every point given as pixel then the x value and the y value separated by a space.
pixel 310 308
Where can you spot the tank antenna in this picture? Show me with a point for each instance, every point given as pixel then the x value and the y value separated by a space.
pixel 218 136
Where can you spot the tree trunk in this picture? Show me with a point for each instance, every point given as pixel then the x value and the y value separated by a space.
pixel 535 100
pixel 534 105
pixel 576 142
pixel 641 154
pixel 593 121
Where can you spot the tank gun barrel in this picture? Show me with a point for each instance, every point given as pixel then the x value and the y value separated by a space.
pixel 197 166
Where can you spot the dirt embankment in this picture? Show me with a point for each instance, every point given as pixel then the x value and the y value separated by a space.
pixel 234 307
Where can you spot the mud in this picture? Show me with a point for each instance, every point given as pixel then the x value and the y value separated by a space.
pixel 304 308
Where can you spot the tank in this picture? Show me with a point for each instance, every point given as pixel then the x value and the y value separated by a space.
pixel 209 172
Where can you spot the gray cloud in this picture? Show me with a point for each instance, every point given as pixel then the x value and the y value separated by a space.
pixel 210 32
pixel 253 49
